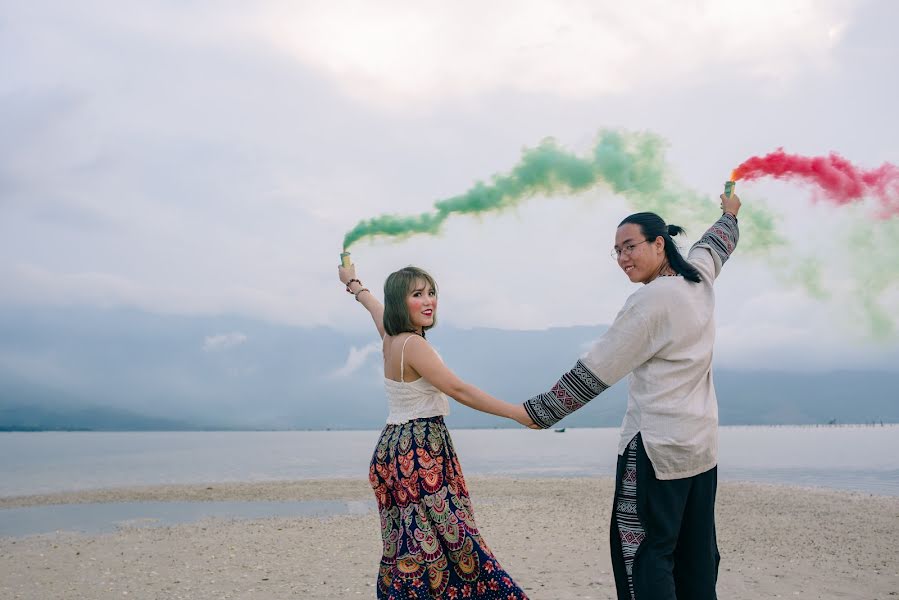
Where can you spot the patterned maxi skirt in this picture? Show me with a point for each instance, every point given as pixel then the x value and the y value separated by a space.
pixel 432 548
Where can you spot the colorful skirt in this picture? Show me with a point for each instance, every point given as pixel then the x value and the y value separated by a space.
pixel 432 548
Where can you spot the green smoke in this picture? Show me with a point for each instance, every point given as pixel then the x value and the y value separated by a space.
pixel 809 274
pixel 544 169
pixel 856 270
pixel 873 252
pixel 632 164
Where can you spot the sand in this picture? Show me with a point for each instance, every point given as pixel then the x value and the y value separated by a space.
pixel 551 535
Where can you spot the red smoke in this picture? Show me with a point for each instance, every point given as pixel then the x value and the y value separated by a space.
pixel 840 181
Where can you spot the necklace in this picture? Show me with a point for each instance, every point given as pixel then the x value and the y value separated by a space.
pixel 666 271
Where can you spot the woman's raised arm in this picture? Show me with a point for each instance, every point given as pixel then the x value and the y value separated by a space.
pixel 363 295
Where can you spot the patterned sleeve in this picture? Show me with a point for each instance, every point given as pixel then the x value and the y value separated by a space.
pixel 722 237
pixel 626 344
pixel 575 389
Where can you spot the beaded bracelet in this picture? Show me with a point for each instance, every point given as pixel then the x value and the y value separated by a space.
pixel 350 282
pixel 360 291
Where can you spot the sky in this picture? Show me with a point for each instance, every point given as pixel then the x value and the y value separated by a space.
pixel 206 158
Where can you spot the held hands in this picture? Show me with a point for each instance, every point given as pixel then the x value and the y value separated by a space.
pixel 521 415
pixel 730 204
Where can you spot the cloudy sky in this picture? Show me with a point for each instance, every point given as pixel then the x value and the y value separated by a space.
pixel 206 158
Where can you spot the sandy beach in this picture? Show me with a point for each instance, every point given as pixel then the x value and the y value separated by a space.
pixel 550 534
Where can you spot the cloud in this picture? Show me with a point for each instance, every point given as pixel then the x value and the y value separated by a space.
pixel 34 285
pixel 224 341
pixel 356 359
pixel 397 52
pixel 214 170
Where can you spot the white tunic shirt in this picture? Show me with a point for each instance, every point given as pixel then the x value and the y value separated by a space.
pixel 663 339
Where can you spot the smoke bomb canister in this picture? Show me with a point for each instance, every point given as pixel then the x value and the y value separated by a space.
pixel 729 188
pixel 345 259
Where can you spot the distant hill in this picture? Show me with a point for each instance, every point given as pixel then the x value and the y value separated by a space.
pixel 127 370
pixel 36 418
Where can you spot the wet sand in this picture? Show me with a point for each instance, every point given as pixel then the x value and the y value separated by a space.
pixel 551 535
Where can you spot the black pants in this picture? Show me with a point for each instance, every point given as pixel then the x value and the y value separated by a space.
pixel 678 557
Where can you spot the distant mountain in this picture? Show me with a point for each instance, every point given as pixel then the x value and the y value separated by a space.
pixel 37 418
pixel 128 370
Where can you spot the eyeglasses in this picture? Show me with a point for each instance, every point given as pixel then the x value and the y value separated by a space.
pixel 626 250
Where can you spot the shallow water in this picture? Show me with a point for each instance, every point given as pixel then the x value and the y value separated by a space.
pixel 104 517
pixel 861 458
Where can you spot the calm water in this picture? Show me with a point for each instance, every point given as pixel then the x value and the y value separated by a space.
pixel 861 458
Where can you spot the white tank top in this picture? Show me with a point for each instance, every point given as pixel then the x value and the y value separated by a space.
pixel 413 400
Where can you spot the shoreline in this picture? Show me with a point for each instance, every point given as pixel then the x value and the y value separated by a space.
pixel 347 488
pixel 460 428
pixel 550 534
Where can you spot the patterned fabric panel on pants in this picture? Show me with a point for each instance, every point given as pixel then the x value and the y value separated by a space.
pixel 630 531
pixel 432 547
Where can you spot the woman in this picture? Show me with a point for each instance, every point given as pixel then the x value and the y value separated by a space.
pixel 663 517
pixel 432 547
